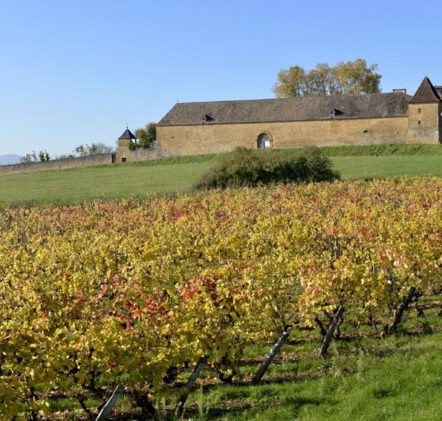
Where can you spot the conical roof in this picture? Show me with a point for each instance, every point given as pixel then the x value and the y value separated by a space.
pixel 127 135
pixel 425 93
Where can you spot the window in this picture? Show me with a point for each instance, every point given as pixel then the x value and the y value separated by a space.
pixel 123 159
pixel 264 141
pixel 419 110
pixel 207 118
pixel 419 122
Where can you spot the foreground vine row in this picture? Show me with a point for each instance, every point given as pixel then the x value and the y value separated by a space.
pixel 131 292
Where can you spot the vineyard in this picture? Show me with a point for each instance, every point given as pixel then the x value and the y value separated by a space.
pixel 137 293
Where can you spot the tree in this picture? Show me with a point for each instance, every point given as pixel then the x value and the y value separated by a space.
pixel 355 78
pixel 93 149
pixel 291 82
pixel 40 156
pixel 345 78
pixel 66 156
pixel 146 136
pixel 43 156
pixel 26 159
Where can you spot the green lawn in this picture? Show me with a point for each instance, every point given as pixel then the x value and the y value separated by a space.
pixel 179 174
pixel 388 166
pixel 397 378
pixel 106 182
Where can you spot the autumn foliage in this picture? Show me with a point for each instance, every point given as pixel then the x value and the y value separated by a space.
pixel 121 293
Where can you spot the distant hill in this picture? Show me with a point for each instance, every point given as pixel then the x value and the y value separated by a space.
pixel 9 159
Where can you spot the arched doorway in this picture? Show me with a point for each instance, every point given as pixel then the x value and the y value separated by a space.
pixel 264 141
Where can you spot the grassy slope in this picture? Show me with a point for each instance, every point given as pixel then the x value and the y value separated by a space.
pixel 178 174
pixel 107 182
pixel 364 379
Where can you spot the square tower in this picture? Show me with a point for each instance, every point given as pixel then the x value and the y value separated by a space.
pixel 424 115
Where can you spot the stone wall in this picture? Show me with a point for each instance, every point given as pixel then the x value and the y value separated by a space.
pixel 125 154
pixel 57 164
pixel 213 138
pixel 424 123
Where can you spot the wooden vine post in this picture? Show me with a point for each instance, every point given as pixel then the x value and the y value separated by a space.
pixel 269 358
pixel 191 383
pixel 406 301
pixel 331 330
pixel 109 405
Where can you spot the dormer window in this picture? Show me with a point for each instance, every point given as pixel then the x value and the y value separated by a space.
pixel 207 118
pixel 334 113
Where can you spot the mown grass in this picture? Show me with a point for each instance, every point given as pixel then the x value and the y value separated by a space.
pixel 388 166
pixel 366 378
pixel 179 174
pixel 107 182
pixel 377 150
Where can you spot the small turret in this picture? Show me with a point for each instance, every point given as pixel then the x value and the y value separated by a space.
pixel 124 145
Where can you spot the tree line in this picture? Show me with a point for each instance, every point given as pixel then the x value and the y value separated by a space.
pixel 80 151
pixel 345 78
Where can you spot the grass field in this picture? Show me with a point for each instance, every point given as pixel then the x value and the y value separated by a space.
pixel 399 378
pixel 179 174
pixel 364 378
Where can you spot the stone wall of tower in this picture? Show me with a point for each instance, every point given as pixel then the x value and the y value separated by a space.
pixel 424 123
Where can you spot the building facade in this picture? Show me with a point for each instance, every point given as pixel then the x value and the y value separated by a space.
pixel 210 127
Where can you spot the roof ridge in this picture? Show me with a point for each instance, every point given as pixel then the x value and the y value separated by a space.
pixel 225 101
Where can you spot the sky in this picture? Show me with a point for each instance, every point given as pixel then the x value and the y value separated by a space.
pixel 78 71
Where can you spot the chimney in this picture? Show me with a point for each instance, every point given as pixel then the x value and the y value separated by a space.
pixel 400 91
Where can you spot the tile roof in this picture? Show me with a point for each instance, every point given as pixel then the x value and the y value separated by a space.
pixel 127 135
pixel 288 109
pixel 426 93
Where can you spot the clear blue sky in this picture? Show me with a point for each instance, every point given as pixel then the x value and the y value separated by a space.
pixel 76 71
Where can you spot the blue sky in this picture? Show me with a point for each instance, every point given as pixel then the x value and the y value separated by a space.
pixel 76 71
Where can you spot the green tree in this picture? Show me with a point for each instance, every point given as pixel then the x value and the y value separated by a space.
pixel 93 149
pixel 43 156
pixel 321 81
pixel 345 78
pixel 291 82
pixel 146 136
pixel 39 156
pixel 356 78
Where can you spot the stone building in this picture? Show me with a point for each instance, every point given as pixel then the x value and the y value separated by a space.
pixel 207 127
pixel 126 153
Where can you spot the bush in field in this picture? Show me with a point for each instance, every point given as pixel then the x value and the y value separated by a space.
pixel 247 167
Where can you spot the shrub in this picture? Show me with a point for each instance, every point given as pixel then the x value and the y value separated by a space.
pixel 248 167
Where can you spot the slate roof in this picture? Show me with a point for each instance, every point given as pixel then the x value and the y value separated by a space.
pixel 426 93
pixel 127 135
pixel 288 109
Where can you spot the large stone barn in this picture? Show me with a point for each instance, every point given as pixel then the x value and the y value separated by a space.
pixel 207 127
